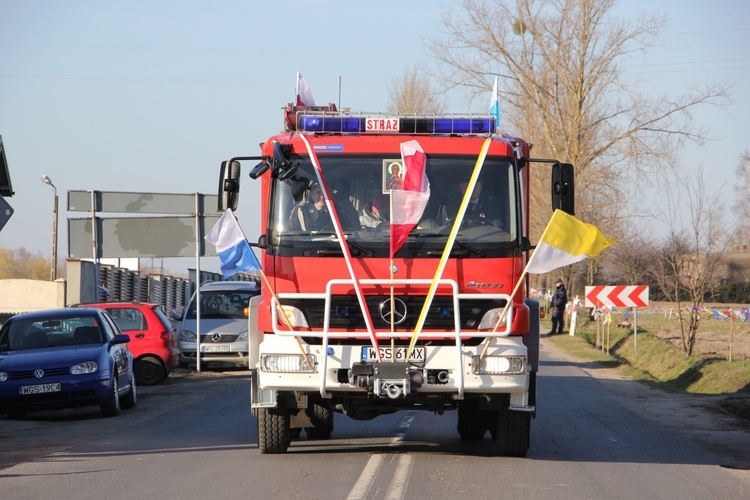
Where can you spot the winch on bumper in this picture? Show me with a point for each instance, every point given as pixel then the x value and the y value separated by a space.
pixel 385 379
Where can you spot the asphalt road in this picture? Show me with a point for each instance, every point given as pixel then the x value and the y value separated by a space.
pixel 193 437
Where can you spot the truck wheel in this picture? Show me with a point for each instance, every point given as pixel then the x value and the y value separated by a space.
pixel 511 433
pixel 274 434
pixel 322 420
pixel 471 426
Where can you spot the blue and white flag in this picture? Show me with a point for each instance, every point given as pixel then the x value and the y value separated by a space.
pixel 495 106
pixel 234 251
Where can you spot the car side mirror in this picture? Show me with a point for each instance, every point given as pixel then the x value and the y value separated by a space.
pixel 121 338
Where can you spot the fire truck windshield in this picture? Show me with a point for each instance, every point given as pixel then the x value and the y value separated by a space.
pixel 360 185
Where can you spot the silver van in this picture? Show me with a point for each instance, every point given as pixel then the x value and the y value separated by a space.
pixel 224 307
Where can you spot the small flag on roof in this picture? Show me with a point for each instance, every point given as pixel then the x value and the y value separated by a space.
pixel 495 106
pixel 304 95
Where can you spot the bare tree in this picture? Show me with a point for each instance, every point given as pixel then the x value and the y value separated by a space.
pixel 412 93
pixel 742 206
pixel 692 252
pixel 629 261
pixel 563 88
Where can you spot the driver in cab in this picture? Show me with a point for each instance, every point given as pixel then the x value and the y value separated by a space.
pixel 481 206
pixel 312 215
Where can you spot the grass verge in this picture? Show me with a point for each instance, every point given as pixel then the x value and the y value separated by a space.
pixel 652 360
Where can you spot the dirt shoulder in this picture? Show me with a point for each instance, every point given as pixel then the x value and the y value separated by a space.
pixel 696 416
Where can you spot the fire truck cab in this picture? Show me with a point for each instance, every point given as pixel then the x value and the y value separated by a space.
pixel 340 326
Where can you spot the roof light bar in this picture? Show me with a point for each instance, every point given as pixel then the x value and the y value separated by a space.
pixel 417 124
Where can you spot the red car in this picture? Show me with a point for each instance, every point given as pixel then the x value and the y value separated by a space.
pixel 152 338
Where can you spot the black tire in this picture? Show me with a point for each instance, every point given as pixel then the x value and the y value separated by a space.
pixel 471 424
pixel 322 420
pixel 274 434
pixel 112 407
pixel 150 370
pixel 130 400
pixel 512 433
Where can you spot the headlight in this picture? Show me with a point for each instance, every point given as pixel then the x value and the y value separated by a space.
pixel 187 336
pixel 287 363
pixel 3 376
pixel 498 365
pixel 293 315
pixel 490 318
pixel 242 337
pixel 84 368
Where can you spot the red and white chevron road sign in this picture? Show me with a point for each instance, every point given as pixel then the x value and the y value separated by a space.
pixel 618 296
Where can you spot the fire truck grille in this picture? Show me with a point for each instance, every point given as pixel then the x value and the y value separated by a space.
pixel 346 313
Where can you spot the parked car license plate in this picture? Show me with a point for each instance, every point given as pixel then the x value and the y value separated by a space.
pixel 215 348
pixel 39 389
pixel 418 354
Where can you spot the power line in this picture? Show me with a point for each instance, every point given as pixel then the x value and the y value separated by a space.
pixel 379 78
pixel 731 30
pixel 212 49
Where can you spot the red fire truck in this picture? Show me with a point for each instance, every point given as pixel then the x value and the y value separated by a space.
pixel 344 326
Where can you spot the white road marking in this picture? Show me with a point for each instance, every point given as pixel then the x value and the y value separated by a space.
pixel 402 428
pixel 366 478
pixel 397 490
pixel 400 478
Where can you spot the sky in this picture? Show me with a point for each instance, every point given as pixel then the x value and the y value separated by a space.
pixel 145 96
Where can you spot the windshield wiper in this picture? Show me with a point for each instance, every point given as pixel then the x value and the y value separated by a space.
pixel 465 246
pixel 359 248
pixel 336 252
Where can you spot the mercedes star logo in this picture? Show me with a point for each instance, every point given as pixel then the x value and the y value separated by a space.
pixel 399 311
pixel 216 337
pixel 39 373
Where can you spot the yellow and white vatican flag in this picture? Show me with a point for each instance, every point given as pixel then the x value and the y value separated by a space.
pixel 565 241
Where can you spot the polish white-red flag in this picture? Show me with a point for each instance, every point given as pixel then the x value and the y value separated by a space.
pixel 408 203
pixel 304 96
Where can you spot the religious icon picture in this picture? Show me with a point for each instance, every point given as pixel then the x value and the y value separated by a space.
pixel 393 175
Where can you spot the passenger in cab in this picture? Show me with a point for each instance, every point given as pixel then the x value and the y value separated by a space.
pixel 375 212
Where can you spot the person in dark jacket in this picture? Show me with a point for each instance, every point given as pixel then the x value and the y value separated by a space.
pixel 312 215
pixel 558 302
pixel 481 206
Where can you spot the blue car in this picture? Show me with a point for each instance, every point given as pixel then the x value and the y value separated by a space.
pixel 65 358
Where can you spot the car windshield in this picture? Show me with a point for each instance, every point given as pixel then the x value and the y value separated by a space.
pixel 22 334
pixel 360 187
pixel 230 304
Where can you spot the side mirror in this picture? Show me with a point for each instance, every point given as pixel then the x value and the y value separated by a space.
pixel 259 169
pixel 563 187
pixel 526 244
pixel 282 162
pixel 229 185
